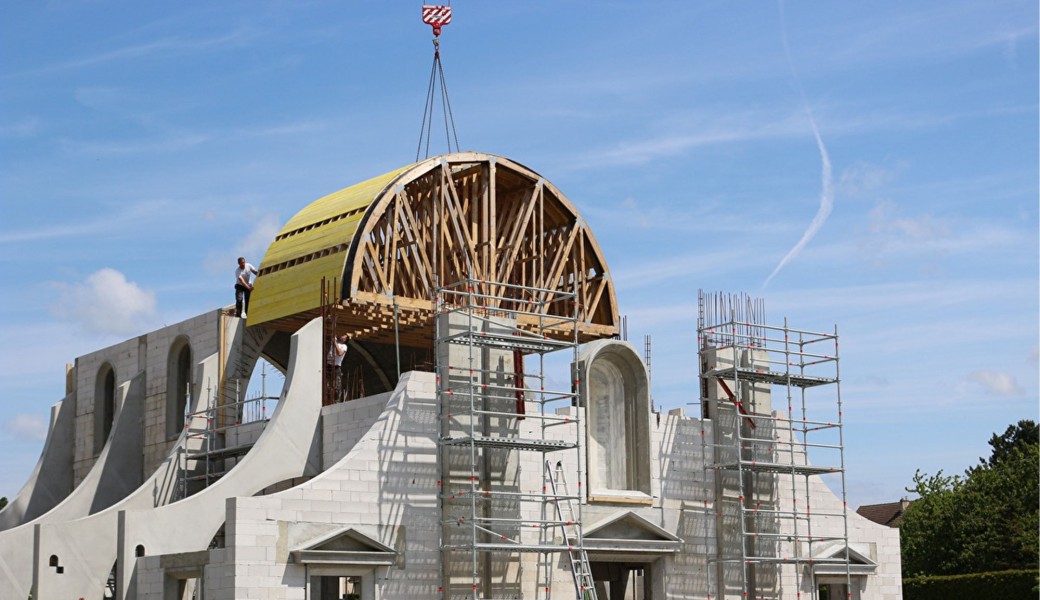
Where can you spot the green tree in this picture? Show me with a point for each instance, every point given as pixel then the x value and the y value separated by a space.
pixel 1023 434
pixel 986 520
pixel 930 525
pixel 3 502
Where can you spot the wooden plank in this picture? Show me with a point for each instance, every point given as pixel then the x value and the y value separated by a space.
pixel 559 262
pixel 374 267
pixel 458 221
pixel 515 237
pixel 419 241
pixel 393 258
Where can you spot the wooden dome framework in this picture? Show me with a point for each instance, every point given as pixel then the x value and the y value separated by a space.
pixel 444 220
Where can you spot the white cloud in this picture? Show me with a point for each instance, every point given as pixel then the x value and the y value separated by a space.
pixel 252 246
pixel 170 46
pixel 27 427
pixel 171 143
pixel 925 228
pixel 996 383
pixel 647 272
pixel 104 225
pixel 896 237
pixel 100 97
pixel 862 177
pixel 257 241
pixel 22 128
pixel 705 130
pixel 106 303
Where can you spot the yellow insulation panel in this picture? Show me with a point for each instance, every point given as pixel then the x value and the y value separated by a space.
pixel 357 196
pixel 293 290
pixel 313 244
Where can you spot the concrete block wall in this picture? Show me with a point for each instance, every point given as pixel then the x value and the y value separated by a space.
pixel 150 577
pixel 681 504
pixel 386 485
pixel 381 476
pixel 287 449
pixel 343 424
pixel 150 354
pixel 126 360
pixel 877 542
pixel 202 333
pixel 683 446
pixel 91 543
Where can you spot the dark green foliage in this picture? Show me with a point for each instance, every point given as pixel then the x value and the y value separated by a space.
pixel 1006 585
pixel 3 502
pixel 986 520
pixel 1022 435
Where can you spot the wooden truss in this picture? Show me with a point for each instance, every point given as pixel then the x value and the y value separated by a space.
pixel 471 216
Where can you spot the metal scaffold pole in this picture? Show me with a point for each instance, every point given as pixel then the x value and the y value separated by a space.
pixel 483 331
pixel 745 364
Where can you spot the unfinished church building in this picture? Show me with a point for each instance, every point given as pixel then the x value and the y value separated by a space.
pixel 494 438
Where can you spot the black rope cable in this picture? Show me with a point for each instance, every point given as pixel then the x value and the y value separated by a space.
pixel 446 103
pixel 427 113
pixel 450 133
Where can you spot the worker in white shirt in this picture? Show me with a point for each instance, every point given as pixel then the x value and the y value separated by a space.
pixel 243 286
pixel 334 365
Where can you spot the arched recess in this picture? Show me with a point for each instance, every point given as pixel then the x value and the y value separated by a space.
pixel 178 384
pixel 104 405
pixel 389 242
pixel 616 395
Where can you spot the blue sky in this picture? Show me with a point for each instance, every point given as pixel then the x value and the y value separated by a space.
pixel 146 145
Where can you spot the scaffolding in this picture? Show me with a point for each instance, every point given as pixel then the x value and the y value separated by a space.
pixel 768 533
pixel 330 379
pixel 217 436
pixel 493 409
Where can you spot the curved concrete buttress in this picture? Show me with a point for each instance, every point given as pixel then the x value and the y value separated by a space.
pixel 116 473
pixel 288 447
pixel 157 490
pixel 51 481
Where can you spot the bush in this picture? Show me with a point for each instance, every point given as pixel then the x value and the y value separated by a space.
pixel 1006 585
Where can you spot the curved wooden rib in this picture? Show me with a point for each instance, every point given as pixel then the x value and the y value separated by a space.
pixel 476 216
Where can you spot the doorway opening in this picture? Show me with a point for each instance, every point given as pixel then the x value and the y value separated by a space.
pixel 337 587
pixel 623 580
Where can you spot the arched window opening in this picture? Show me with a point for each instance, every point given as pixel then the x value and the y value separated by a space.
pixel 178 386
pixel 617 401
pixel 139 550
pixel 608 429
pixel 104 405
pixel 259 396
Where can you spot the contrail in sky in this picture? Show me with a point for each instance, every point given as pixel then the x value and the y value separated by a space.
pixel 827 191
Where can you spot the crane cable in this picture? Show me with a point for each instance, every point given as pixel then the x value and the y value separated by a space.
pixel 436 16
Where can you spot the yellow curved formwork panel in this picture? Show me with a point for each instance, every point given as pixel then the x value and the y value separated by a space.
pixel 444 219
pixel 314 243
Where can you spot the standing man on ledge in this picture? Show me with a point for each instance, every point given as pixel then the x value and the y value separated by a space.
pixel 243 275
pixel 335 377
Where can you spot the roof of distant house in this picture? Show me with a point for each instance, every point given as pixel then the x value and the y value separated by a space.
pixel 889 513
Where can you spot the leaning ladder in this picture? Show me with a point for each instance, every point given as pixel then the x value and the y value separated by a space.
pixel 581 571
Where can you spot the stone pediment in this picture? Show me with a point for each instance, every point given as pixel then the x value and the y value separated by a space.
pixel 858 563
pixel 344 546
pixel 626 531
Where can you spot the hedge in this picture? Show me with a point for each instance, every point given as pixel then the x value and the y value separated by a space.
pixel 1004 585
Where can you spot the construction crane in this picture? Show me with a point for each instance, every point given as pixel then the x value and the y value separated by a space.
pixel 436 16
